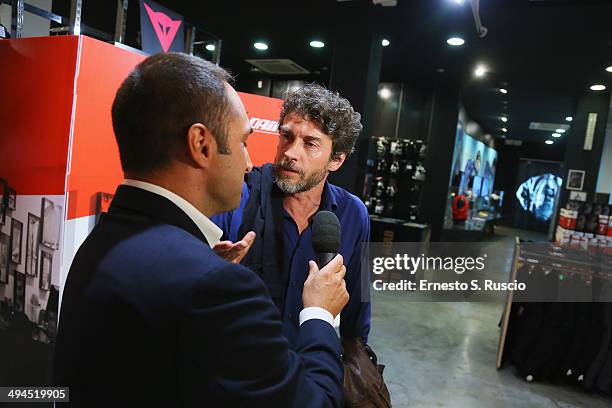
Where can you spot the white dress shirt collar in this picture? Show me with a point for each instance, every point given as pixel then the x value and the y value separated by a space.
pixel 209 229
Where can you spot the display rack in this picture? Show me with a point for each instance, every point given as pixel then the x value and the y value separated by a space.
pixel 556 335
pixel 394 178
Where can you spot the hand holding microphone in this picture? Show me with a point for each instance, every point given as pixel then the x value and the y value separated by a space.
pixel 325 286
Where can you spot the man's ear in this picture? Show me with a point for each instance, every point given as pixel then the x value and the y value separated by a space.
pixel 200 144
pixel 336 162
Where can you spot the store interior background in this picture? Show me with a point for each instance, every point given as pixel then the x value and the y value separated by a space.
pixel 538 61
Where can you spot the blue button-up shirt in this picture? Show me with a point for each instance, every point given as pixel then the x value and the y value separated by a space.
pixel 298 250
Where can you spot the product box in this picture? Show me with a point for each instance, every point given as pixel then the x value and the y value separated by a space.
pixel 602 225
pixel 567 218
pixel 562 235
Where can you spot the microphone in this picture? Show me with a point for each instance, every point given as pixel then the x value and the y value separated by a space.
pixel 325 237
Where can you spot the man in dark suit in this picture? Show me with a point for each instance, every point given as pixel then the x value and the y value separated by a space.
pixel 150 315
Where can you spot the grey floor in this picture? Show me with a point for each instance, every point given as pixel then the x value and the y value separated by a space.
pixel 443 354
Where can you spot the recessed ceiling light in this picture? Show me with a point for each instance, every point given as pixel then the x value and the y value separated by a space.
pixel 560 130
pixel 384 93
pixel 210 47
pixel 261 46
pixel 549 142
pixel 385 42
pixel 504 130
pixel 480 71
pixel 317 44
pixel 598 87
pixel 459 2
pixel 503 90
pixel 569 118
pixel 504 119
pixel 609 69
pixel 455 41
pixel 556 135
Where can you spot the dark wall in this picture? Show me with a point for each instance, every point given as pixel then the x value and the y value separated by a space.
pixel 578 158
pixel 399 113
pixel 412 124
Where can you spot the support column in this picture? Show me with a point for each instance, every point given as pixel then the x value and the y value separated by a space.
pixel 355 73
pixel 441 117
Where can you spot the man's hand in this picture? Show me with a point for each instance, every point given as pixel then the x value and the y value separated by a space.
pixel 234 252
pixel 326 288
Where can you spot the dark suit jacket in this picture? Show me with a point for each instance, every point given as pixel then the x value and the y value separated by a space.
pixel 151 316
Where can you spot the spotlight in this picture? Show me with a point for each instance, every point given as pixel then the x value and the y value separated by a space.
pixel 480 71
pixel 504 130
pixel 503 90
pixel 549 142
pixel 560 130
pixel 609 69
pixel 569 118
pixel 385 42
pixel 384 93
pixel 210 47
pixel 504 119
pixel 598 87
pixel 317 44
pixel 455 41
pixel 261 46
pixel 556 135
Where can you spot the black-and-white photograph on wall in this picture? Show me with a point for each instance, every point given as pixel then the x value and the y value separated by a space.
pixel 16 240
pixel 46 264
pixel 32 246
pixel 19 292
pixel 575 179
pixel 12 198
pixel 5 242
pixel 51 214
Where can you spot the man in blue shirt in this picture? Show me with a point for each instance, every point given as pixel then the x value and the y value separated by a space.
pixel 318 130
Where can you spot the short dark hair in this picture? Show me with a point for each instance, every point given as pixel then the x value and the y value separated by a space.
pixel 157 103
pixel 334 115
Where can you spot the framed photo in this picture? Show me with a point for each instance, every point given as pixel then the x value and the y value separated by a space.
pixel 575 179
pixel 46 266
pixel 16 240
pixel 32 245
pixel 12 198
pixel 5 246
pixel 51 217
pixel 19 284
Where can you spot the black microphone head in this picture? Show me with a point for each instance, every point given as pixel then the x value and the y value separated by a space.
pixel 326 232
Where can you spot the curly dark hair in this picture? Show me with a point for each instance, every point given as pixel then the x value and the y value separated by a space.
pixel 332 113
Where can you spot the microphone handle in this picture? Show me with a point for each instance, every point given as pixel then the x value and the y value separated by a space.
pixel 323 258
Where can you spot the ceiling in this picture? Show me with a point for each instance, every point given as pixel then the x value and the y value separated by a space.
pixel 543 51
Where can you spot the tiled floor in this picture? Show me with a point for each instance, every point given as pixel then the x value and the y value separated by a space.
pixel 443 354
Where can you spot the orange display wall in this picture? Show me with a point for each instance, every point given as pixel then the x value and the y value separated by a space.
pixel 59 166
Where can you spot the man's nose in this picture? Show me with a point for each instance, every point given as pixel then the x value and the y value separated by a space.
pixel 292 151
pixel 249 163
